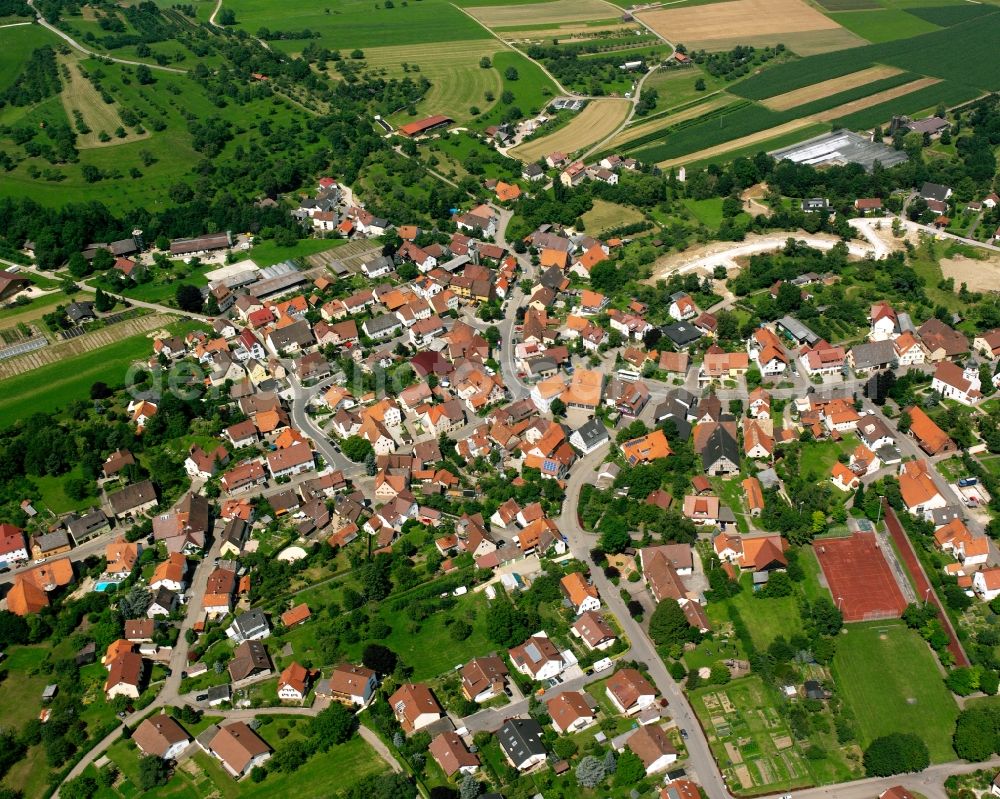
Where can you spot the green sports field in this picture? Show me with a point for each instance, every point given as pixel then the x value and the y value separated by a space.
pixel 889 678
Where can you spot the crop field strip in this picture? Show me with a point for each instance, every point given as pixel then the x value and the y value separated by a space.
pixel 964 53
pixel 649 130
pixel 556 11
pixel 945 93
pixel 588 127
pixel 742 119
pixel 797 97
pixel 876 99
pixel 799 26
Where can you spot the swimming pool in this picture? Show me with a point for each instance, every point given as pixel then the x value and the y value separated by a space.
pixel 105 585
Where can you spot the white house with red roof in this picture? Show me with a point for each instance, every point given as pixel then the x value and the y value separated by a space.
pixel 682 307
pixel 953 382
pixel 986 583
pixel 883 321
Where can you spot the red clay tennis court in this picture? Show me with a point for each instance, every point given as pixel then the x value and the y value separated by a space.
pixel 861 582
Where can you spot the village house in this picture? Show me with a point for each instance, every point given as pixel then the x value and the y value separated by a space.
pixel 452 755
pixel 161 736
pixel 237 747
pixel 629 691
pixel 537 658
pixel 521 743
pixel 484 678
pixel 349 684
pixel 570 712
pixel 581 595
pixel 415 707
pixel 594 631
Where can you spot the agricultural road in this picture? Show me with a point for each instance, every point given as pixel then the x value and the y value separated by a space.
pixel 74 43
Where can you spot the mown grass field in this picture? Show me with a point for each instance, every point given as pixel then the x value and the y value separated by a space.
pixel 358 23
pixel 79 94
pixel 605 215
pixel 55 385
pixel 267 253
pixel 767 619
pixel 889 679
pixel 457 81
pixel 21 691
pixel 552 12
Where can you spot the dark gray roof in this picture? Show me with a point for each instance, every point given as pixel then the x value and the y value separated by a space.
pixel 78 311
pixel 934 191
pixel 296 333
pixel 381 262
pixel 250 622
pixel 552 278
pixel 132 497
pixel 593 432
pixel 165 598
pixel 85 525
pixel 681 334
pixel 379 323
pixel 521 739
pixel 720 445
pixel 873 353
pixel 797 330
pixel 235 532
pixel 942 516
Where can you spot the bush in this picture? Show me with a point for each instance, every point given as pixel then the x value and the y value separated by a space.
pixel 896 753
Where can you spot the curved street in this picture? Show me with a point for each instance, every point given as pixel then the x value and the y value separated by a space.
pixel 76 45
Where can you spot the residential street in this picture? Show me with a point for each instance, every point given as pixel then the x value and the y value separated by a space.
pixel 700 758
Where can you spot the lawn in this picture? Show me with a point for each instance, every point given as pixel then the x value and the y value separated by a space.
pixel 883 25
pixel 818 457
pixel 890 680
pixel 21 692
pixel 53 493
pixel 708 212
pixel 766 619
pixel 39 306
pixel 51 387
pixel 267 253
pixel 16 44
pixel 427 646
pixel 532 90
pixel 675 87
pixel 201 775
pixel 604 216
